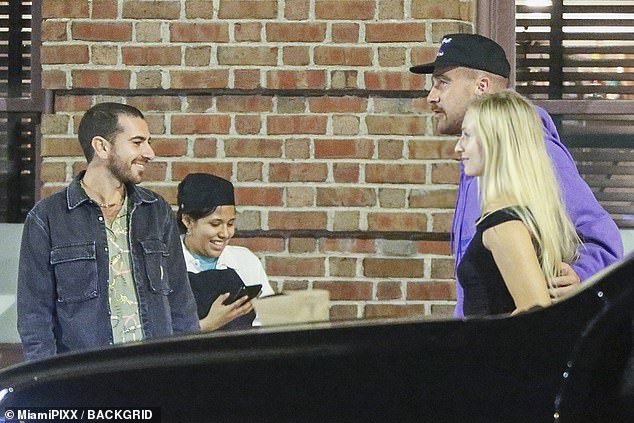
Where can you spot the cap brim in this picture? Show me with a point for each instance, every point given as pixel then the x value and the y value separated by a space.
pixel 426 68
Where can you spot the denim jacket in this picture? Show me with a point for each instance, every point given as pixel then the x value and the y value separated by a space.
pixel 64 265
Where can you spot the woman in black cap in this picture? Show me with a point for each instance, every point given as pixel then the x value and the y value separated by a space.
pixel 206 214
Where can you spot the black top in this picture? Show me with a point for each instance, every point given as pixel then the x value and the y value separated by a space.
pixel 209 285
pixel 484 289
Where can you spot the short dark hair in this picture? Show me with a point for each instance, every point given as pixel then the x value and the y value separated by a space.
pixel 102 120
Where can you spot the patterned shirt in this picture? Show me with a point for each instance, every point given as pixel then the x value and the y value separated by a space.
pixel 124 304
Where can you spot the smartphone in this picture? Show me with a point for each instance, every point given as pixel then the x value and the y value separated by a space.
pixel 250 291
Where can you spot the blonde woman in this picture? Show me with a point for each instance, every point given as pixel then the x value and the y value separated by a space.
pixel 524 232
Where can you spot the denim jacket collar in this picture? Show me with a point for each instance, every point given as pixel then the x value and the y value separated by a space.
pixel 75 195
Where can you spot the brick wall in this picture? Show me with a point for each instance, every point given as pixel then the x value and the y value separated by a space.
pixel 306 105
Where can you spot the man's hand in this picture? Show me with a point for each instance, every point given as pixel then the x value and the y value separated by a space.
pixel 565 284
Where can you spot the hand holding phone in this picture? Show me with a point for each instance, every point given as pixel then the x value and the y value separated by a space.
pixel 251 291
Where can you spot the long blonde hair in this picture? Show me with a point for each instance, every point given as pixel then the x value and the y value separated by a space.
pixel 518 169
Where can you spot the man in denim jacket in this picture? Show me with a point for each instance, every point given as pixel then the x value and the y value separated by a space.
pixel 470 65
pixel 101 261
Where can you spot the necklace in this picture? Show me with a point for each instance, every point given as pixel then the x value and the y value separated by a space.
pixel 102 205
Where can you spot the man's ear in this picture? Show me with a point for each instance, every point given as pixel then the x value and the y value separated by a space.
pixel 483 85
pixel 101 146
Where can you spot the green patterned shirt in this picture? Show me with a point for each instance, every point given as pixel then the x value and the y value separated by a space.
pixel 124 304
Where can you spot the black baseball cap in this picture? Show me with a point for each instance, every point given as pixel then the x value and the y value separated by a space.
pixel 470 51
pixel 203 191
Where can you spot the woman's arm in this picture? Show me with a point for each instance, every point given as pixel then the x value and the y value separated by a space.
pixel 514 254
pixel 220 314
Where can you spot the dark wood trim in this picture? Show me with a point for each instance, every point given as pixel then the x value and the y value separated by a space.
pixel 496 19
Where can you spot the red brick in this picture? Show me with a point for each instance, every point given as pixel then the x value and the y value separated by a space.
pixel 432 198
pixel 203 9
pixel 297 220
pixel 294 266
pixel 344 148
pixel 441 222
pixel 253 147
pixel 72 103
pixel 250 171
pixel 428 149
pixel 392 198
pixel 259 244
pixel 346 197
pixel 53 172
pixel 345 33
pixel 65 54
pixel 395 173
pixel 445 173
pixel 297 148
pixel 342 266
pixel 442 268
pixel 155 121
pixel 246 78
pixel 244 103
pixel 391 9
pixel 395 125
pixel 148 56
pixel 302 245
pixel 343 312
pixel 169 147
pixel 396 81
pixel 347 245
pixel 300 196
pixel 298 172
pixel 390 149
pixel 447 9
pixel 281 80
pixel 89 78
pixel 346 172
pixel 53 79
pixel 344 10
pixel 408 222
pixel 389 32
pixel 54 31
pixel 214 78
pixel 433 247
pixel 423 55
pixel 345 104
pixel 345 56
pixel 200 124
pixel 296 9
pixel 104 9
pixel 248 31
pixel 295 32
pixel 296 55
pixel 102 31
pixel 155 171
pixel 296 124
pixel 343 79
pixel 205 147
pixel 65 9
pixel 181 169
pixel 259 196
pixel 389 291
pixel 199 32
pixel 104 55
pixel 248 124
pixel 346 290
pixel 148 79
pixel 61 147
pixel 393 268
pixel 372 311
pixel 253 56
pixel 391 56
pixel 431 291
pixel 151 9
pixel 48 190
pixel 243 9
pixel 155 103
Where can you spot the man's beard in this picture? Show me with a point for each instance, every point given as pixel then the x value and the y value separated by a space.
pixel 123 172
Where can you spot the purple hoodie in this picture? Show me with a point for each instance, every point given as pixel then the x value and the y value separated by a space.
pixel 602 244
